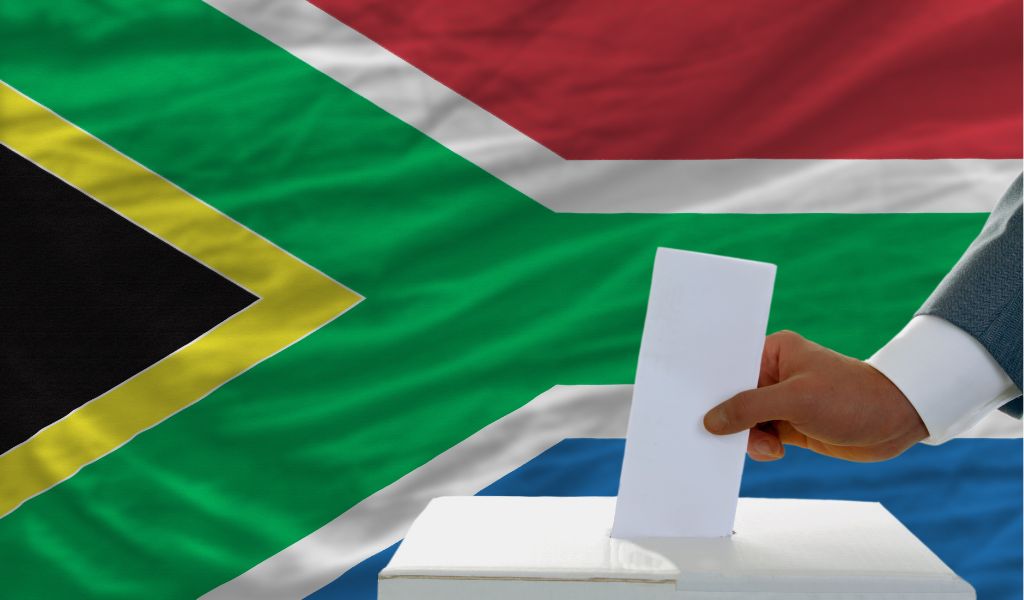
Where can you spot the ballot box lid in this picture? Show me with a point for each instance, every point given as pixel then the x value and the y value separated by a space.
pixel 779 546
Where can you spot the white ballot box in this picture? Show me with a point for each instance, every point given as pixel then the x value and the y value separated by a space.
pixel 503 548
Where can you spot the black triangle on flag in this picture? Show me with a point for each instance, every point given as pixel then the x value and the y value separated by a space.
pixel 87 299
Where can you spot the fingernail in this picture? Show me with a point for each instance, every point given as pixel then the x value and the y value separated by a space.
pixel 715 421
pixel 765 448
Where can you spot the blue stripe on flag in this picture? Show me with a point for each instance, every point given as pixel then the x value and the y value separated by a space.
pixel 963 499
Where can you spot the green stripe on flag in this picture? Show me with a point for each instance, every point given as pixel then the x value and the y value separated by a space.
pixel 477 299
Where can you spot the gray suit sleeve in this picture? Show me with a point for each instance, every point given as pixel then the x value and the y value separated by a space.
pixel 982 294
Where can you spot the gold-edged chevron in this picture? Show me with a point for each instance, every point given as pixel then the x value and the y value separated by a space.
pixel 292 299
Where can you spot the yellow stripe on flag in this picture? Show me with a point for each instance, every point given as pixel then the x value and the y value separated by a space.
pixel 294 299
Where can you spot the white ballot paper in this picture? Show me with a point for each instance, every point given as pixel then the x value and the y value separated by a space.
pixel 702 342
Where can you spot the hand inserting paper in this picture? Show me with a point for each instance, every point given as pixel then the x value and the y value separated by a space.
pixel 815 398
pixel 958 359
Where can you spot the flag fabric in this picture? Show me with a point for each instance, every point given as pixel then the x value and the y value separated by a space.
pixel 277 273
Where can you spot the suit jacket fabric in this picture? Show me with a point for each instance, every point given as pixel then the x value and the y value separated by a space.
pixel 982 294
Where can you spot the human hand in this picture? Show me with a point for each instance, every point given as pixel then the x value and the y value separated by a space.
pixel 815 398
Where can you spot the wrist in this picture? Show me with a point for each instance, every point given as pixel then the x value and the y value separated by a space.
pixel 904 424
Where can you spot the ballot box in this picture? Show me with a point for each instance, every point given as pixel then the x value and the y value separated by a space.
pixel 505 548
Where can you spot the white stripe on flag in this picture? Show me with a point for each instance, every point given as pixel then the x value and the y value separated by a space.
pixel 382 519
pixel 379 521
pixel 609 186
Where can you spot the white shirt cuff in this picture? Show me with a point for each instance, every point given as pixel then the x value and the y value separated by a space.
pixel 948 376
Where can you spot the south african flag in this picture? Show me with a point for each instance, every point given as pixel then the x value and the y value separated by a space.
pixel 274 273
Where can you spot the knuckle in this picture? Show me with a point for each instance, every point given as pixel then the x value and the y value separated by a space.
pixel 786 335
pixel 785 339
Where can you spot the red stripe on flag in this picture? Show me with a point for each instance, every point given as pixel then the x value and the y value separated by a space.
pixel 696 79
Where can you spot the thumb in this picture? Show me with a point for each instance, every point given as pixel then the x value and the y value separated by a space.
pixel 747 409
